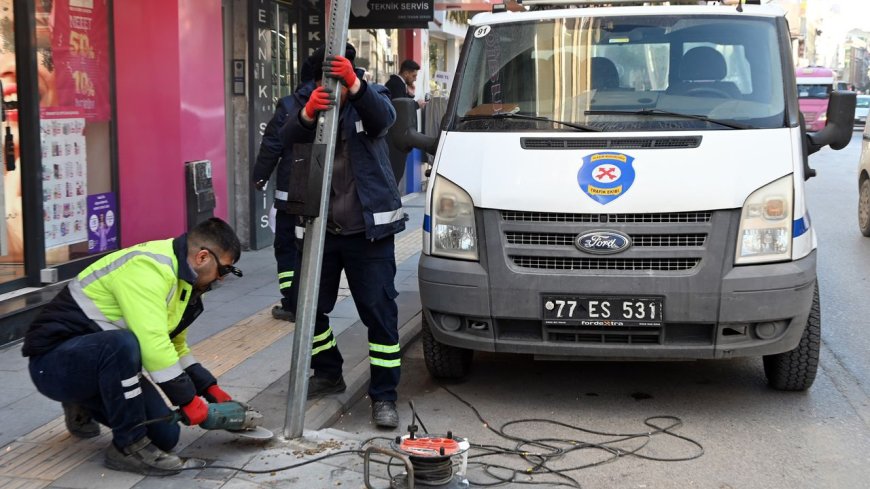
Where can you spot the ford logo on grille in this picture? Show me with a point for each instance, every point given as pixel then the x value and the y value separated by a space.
pixel 602 242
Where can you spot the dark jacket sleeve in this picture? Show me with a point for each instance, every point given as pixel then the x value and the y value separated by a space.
pixel 180 390
pixel 294 130
pixel 201 377
pixel 272 146
pixel 396 86
pixel 373 105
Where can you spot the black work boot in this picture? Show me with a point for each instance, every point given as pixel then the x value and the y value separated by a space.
pixel 143 457
pixel 321 386
pixel 384 413
pixel 279 312
pixel 79 421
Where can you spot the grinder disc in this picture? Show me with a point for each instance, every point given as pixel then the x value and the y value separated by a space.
pixel 256 433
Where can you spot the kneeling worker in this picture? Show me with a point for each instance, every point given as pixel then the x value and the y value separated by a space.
pixel 128 311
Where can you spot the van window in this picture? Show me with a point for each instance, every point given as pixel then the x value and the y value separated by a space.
pixel 572 69
pixel 820 91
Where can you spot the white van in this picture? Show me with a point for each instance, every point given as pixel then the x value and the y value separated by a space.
pixel 624 182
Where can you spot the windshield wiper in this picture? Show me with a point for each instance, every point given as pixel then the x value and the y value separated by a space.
pixel 732 125
pixel 512 115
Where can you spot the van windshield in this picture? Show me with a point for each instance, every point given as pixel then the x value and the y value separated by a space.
pixel 815 91
pixel 623 73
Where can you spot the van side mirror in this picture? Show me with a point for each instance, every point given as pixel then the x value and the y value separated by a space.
pixel 404 132
pixel 841 116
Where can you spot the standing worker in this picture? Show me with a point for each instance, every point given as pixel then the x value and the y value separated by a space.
pixel 127 311
pixel 365 212
pixel 404 84
pixel 273 153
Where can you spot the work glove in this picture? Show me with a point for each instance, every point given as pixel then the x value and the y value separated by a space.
pixel 194 412
pixel 216 394
pixel 261 184
pixel 321 99
pixel 340 68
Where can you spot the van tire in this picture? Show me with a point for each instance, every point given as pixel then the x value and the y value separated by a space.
pixel 795 370
pixel 864 206
pixel 444 361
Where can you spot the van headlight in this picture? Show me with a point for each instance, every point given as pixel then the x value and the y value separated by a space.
pixel 766 224
pixel 453 230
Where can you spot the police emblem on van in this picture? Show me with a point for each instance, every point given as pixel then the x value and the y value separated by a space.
pixel 602 242
pixel 606 176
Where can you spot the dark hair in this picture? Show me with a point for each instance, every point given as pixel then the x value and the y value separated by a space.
pixel 214 232
pixel 409 65
pixel 315 62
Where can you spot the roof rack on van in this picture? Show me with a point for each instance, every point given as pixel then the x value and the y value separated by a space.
pixel 544 4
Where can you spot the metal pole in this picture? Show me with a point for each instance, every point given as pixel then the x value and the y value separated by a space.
pixel 312 250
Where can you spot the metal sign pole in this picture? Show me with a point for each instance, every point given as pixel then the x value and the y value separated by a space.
pixel 322 154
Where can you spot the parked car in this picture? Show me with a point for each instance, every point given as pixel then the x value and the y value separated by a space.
pixel 861 110
pixel 864 183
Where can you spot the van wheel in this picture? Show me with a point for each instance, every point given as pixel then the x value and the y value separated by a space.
pixel 864 207
pixel 796 370
pixel 444 361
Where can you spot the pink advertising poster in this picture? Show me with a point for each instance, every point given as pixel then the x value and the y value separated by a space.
pixel 80 51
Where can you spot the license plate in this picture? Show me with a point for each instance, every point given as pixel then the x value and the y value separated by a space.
pixel 565 310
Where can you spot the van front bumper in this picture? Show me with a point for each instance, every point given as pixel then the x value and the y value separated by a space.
pixel 749 310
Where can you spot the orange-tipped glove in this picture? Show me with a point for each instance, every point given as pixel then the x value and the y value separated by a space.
pixel 194 412
pixel 320 100
pixel 216 394
pixel 340 68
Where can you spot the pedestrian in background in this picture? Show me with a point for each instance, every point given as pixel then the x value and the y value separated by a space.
pixel 365 212
pixel 127 311
pixel 404 84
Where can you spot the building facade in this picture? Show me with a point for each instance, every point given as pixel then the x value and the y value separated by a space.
pixel 124 98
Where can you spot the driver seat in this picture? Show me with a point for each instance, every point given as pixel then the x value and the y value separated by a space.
pixel 703 68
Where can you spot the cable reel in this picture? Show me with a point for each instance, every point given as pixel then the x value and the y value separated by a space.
pixel 429 460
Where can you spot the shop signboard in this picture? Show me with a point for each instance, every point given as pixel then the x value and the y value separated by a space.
pixel 262 108
pixel 391 14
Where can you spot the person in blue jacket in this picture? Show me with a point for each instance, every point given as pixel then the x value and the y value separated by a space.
pixel 365 212
pixel 275 155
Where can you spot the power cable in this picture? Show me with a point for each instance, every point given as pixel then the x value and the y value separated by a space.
pixel 539 453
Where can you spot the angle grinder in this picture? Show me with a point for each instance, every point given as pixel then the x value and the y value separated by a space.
pixel 233 416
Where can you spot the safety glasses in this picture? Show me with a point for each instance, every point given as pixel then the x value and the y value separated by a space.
pixel 223 270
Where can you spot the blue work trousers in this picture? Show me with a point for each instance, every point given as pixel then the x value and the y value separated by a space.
pixel 101 372
pixel 286 256
pixel 370 267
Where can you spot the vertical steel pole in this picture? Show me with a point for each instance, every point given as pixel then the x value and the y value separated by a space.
pixel 312 250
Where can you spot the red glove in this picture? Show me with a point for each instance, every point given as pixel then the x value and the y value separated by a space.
pixel 216 394
pixel 194 412
pixel 340 68
pixel 321 99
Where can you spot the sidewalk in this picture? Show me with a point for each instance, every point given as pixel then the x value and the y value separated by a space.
pixel 249 351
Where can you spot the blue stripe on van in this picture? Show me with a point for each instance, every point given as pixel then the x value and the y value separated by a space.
pixel 801 226
pixel 427 223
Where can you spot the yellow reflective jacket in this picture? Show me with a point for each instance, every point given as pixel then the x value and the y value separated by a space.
pixel 146 289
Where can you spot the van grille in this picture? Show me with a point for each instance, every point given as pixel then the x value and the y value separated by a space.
pixel 683 142
pixel 666 217
pixel 643 240
pixel 617 335
pixel 625 264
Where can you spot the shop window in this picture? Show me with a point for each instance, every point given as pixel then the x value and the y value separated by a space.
pixel 79 212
